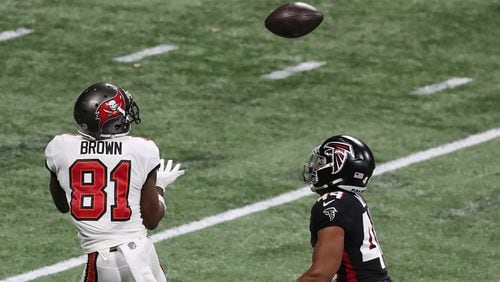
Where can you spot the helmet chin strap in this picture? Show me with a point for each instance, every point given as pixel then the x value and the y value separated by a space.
pixel 354 189
pixel 350 188
pixel 336 181
pixel 103 136
pixel 109 136
pixel 326 166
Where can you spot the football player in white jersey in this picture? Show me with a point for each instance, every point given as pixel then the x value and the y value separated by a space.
pixel 112 184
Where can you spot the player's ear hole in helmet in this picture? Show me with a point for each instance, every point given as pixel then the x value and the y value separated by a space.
pixel 104 110
pixel 341 161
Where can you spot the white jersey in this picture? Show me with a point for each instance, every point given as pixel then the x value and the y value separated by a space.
pixel 103 181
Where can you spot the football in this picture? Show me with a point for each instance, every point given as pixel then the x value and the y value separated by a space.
pixel 293 20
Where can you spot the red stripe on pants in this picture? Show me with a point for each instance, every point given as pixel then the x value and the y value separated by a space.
pixel 91 270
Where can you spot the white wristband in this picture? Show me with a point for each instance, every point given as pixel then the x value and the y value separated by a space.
pixel 162 200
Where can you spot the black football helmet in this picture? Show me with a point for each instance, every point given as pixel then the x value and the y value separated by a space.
pixel 343 162
pixel 104 110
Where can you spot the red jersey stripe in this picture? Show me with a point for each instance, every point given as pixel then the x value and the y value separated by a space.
pixel 349 268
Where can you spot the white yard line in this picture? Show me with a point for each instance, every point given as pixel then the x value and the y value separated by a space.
pixel 305 66
pixel 421 156
pixel 272 202
pixel 11 34
pixel 157 50
pixel 448 84
pixel 232 214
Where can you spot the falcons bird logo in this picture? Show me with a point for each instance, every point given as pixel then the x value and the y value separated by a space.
pixel 339 152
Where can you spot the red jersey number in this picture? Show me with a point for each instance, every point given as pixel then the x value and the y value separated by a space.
pixel 121 211
pixel 88 180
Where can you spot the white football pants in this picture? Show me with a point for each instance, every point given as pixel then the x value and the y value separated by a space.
pixel 133 261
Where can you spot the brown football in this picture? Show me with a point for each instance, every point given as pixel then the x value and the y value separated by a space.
pixel 293 20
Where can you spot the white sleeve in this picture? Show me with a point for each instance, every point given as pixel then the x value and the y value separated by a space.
pixel 49 155
pixel 153 157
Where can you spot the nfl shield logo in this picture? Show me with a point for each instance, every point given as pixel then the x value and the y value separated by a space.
pixel 132 245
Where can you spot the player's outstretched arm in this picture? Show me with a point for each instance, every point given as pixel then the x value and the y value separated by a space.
pixel 152 210
pixel 327 255
pixel 58 194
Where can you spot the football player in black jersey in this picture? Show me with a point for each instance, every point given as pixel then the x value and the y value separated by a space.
pixel 342 233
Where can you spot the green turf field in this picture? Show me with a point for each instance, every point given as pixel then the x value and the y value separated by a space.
pixel 244 139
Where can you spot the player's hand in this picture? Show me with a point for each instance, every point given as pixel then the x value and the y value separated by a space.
pixel 166 174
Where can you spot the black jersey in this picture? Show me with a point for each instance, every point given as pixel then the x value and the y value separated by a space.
pixel 362 259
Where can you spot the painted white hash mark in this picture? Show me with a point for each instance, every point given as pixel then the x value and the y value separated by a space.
pixel 448 84
pixel 157 50
pixel 11 34
pixel 284 73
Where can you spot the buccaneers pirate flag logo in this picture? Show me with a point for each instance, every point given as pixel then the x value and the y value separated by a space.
pixel 111 109
pixel 339 152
